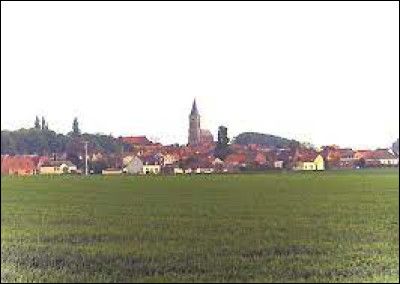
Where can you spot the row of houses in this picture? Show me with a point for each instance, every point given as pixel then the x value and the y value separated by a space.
pixel 349 158
pixel 154 159
pixel 32 164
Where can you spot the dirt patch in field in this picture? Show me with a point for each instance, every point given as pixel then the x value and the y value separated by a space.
pixel 120 269
pixel 74 262
pixel 281 252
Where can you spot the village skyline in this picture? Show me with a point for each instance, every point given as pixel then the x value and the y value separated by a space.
pixel 211 133
pixel 293 71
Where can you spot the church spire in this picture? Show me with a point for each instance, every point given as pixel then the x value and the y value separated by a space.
pixel 194 108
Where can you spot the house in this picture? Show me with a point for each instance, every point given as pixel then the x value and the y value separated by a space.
pixel 19 165
pixel 218 164
pixel 339 158
pixel 386 158
pixel 310 163
pixel 235 161
pixel 57 168
pixel 278 164
pixel 151 165
pixel 112 172
pixel 382 157
pixel 377 158
pixel 347 158
pixel 259 159
pixel 282 158
pixel 134 166
pixel 178 171
pixel 200 165
pixel 169 159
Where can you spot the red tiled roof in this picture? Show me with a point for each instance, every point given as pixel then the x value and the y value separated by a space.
pixel 380 154
pixel 136 140
pixel 236 159
pixel 306 155
pixel 19 164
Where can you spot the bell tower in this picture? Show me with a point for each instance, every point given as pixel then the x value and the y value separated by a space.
pixel 194 126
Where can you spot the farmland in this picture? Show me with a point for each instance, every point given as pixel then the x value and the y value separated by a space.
pixel 275 227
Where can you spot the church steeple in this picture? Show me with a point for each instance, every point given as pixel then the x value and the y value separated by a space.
pixel 194 109
pixel 194 126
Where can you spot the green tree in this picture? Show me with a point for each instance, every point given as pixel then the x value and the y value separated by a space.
pixel 36 141
pixel 98 166
pixel 8 146
pixel 222 148
pixel 37 123
pixel 75 127
pixel 75 152
pixel 43 123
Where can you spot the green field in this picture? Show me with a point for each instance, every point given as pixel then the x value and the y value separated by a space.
pixel 281 227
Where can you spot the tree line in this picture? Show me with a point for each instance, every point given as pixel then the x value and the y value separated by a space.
pixel 41 140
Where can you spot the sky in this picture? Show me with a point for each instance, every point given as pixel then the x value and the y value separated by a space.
pixel 322 72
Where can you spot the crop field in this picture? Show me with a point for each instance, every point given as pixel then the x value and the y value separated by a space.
pixel 274 227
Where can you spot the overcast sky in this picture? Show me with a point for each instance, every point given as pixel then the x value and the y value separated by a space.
pixel 323 72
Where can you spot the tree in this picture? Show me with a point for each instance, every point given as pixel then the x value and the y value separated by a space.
pixel 43 123
pixel 75 152
pixel 8 146
pixel 37 123
pixel 223 138
pixel 98 166
pixel 222 149
pixel 34 141
pixel 395 147
pixel 75 127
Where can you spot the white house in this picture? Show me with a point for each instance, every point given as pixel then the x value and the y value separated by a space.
pixel 151 169
pixel 151 165
pixel 134 166
pixel 310 164
pixel 57 168
pixel 278 164
pixel 178 171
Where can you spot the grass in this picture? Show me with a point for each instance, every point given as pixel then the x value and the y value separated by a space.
pixel 288 227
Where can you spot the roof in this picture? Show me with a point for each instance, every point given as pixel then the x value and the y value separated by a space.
pixel 195 111
pixel 19 163
pixel 381 154
pixel 199 163
pixel 150 160
pixel 236 159
pixel 136 140
pixel 307 155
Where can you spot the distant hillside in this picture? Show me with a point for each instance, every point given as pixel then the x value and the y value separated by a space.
pixel 264 140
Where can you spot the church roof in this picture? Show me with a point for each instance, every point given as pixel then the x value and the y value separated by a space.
pixel 194 109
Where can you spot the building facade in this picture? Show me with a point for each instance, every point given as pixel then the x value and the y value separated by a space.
pixel 198 136
pixel 194 126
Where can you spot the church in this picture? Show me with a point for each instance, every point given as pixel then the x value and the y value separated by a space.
pixel 197 136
